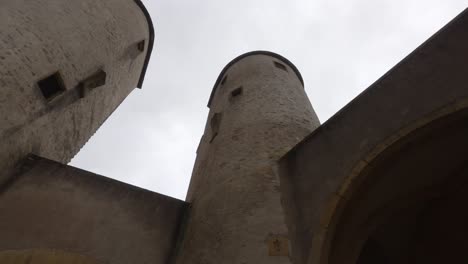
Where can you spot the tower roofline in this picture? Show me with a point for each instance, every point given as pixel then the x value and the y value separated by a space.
pixel 252 53
pixel 140 4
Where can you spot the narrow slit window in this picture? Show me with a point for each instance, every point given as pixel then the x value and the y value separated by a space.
pixel 236 92
pixel 214 124
pixel 141 45
pixel 223 80
pixel 280 66
pixel 51 86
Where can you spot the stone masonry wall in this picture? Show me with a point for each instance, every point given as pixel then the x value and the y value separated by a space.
pixel 258 112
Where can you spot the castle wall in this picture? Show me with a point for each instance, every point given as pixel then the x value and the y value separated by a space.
pixel 404 205
pixel 323 171
pixel 94 47
pixel 51 207
pixel 258 111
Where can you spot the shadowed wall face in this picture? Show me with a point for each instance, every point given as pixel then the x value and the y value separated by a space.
pixel 41 256
pixel 60 208
pixel 408 206
pixel 258 111
pixel 64 67
pixel 377 174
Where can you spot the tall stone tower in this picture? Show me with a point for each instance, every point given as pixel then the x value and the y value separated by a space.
pixel 258 111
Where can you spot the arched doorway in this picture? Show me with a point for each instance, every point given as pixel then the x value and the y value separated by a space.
pixel 408 205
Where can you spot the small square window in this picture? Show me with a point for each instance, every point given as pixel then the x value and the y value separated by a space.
pixel 236 92
pixel 141 45
pixel 51 86
pixel 280 66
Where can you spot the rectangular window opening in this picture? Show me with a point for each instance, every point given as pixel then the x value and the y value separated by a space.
pixel 280 66
pixel 51 86
pixel 214 124
pixel 236 92
pixel 96 80
pixel 141 45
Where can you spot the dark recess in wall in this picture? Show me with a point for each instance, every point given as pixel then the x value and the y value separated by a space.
pixel 51 85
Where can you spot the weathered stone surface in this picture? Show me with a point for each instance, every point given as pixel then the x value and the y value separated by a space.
pixel 41 256
pixel 383 181
pixel 324 171
pixel 51 206
pixel 234 191
pixel 76 38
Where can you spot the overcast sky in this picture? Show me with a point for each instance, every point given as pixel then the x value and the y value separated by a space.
pixel 340 47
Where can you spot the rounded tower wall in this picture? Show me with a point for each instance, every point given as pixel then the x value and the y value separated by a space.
pixel 270 115
pixel 48 49
pixel 234 191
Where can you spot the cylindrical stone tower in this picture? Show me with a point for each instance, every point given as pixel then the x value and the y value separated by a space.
pixel 65 65
pixel 258 111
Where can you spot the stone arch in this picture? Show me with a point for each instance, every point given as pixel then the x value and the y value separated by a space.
pixel 438 137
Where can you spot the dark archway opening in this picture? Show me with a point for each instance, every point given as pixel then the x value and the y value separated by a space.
pixel 409 205
pixel 372 253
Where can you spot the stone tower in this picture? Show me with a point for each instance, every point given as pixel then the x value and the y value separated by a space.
pixel 382 181
pixel 64 67
pixel 258 111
